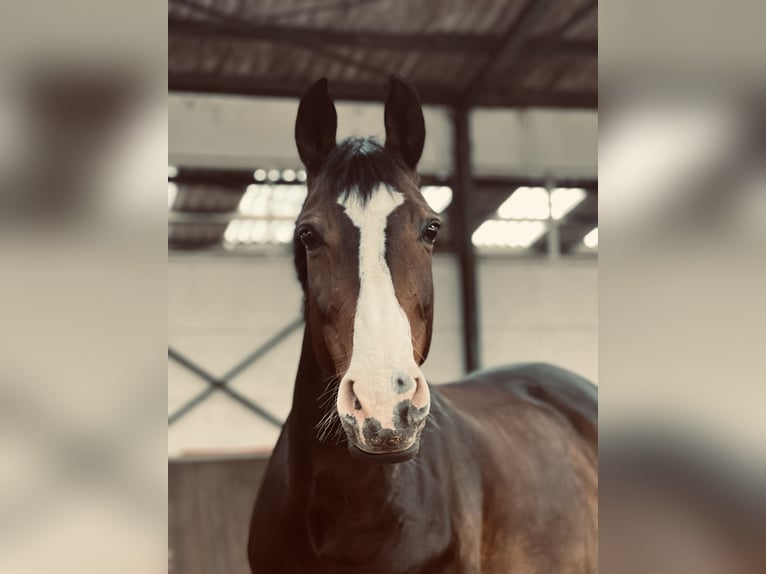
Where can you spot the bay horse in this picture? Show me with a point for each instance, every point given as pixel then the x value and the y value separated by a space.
pixel 376 471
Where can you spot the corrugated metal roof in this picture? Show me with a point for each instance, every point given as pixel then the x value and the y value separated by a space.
pixel 441 47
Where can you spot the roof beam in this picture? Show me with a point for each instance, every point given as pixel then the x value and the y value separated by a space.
pixel 436 42
pixel 234 22
pixel 575 17
pixel 509 53
pixel 565 46
pixel 556 41
pixel 539 99
pixel 479 44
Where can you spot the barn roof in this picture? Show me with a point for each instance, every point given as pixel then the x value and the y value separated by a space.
pixel 510 53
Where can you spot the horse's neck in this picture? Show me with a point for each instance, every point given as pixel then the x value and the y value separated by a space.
pixel 311 458
pixel 339 495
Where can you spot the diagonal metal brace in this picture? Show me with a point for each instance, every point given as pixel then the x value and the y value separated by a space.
pixel 221 384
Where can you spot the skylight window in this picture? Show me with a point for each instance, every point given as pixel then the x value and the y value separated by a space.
pixel 273 201
pixel 258 232
pixel 534 203
pixel 504 233
pixel 591 239
pixel 525 203
pixel 267 214
pixel 172 193
pixel 438 197
pixel 523 218
pixel 565 199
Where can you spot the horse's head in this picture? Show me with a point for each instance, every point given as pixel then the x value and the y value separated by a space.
pixel 363 245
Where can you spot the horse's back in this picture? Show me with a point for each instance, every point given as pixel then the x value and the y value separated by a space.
pixel 541 386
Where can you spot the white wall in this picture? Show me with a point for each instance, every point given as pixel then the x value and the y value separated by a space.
pixel 535 310
pixel 535 143
pixel 237 132
pixel 223 307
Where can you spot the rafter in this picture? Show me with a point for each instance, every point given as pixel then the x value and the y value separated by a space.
pixel 243 25
pixel 436 42
pixel 508 53
pixel 479 44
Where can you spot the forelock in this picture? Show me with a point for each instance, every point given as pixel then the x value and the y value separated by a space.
pixel 360 166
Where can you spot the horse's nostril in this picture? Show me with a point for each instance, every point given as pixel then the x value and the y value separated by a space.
pixel 351 396
pixel 400 382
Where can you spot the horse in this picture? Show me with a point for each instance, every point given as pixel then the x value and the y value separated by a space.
pixel 376 470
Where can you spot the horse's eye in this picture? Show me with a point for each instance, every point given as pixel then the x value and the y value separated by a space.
pixel 310 239
pixel 430 232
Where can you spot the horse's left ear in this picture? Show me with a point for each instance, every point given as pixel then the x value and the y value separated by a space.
pixel 405 126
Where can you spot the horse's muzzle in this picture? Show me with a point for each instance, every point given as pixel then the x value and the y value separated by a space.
pixel 374 443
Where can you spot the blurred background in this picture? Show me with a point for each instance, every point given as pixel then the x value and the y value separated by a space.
pixel 509 92
pixel 83 276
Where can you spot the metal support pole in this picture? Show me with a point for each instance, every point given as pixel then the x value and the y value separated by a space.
pixel 463 229
pixel 554 244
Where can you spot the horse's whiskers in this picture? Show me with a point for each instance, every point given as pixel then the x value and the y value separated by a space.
pixel 326 425
pixel 329 424
pixel 415 348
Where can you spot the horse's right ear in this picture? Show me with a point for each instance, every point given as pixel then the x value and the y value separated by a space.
pixel 315 125
pixel 405 126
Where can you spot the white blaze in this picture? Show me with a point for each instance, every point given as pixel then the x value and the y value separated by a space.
pixel 382 338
